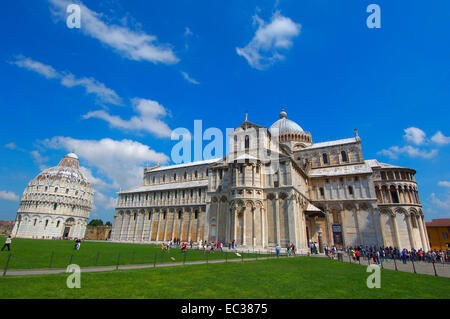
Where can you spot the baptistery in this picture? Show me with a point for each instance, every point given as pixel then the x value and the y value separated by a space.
pixel 55 204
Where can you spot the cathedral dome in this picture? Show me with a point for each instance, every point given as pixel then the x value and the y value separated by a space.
pixel 286 126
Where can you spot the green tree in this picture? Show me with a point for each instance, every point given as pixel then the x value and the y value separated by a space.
pixel 108 223
pixel 96 222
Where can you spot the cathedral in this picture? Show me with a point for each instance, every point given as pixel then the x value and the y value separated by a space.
pixel 55 204
pixel 276 186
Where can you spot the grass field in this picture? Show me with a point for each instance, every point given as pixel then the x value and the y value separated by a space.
pixel 39 253
pixel 305 277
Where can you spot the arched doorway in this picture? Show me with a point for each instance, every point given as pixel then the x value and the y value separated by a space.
pixel 68 227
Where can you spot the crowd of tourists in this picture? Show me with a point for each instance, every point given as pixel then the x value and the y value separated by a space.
pixel 379 254
pixel 201 244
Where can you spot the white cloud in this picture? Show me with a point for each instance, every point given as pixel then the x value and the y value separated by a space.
pixel 415 135
pixel 188 32
pixel 67 79
pixel 35 66
pixel 394 152
pixel 11 146
pixel 189 79
pixel 104 201
pixel 91 85
pixel 440 138
pixel 39 160
pixel 7 195
pixel 131 44
pixel 95 181
pixel 263 50
pixel 442 204
pixel 444 183
pixel 120 161
pixel 147 119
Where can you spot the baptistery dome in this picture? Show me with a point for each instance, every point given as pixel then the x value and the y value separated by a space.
pixel 56 203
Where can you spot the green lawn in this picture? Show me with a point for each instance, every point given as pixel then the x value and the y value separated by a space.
pixel 305 277
pixel 37 253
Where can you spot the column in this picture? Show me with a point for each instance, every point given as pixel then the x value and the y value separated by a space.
pixel 375 228
pixel 253 227
pixel 292 220
pixel 329 228
pixel 422 234
pixel 410 234
pixel 228 226
pixel 397 237
pixel 380 216
pixel 219 204
pixel 174 215
pixel 206 227
pixel 143 226
pixel 122 226
pixel 181 224
pixel 277 218
pixel 427 240
pixel 157 226
pixel 358 221
pixel 198 227
pixel 136 224
pixel 234 217
pixel 244 213
pixel 165 225
pixel 263 227
pixel 189 225
pixel 152 216
pixel 343 226
pixel 128 226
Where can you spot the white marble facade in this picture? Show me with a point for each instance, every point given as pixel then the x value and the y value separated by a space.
pixel 57 203
pixel 276 187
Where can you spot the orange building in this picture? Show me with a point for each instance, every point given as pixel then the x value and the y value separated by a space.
pixel 438 231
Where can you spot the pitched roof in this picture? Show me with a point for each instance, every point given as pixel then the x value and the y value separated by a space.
pixel 341 170
pixel 441 222
pixel 190 164
pixel 375 163
pixel 333 143
pixel 167 186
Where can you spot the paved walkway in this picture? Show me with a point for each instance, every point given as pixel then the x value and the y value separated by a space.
pixel 420 267
pixel 30 272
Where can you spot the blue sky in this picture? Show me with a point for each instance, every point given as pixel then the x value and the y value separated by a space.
pixel 114 89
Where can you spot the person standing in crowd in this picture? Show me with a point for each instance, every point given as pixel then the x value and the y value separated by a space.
pixel 277 249
pixel 7 243
pixel 357 254
pixel 404 255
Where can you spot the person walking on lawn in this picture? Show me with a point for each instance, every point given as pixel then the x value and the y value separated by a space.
pixel 7 243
